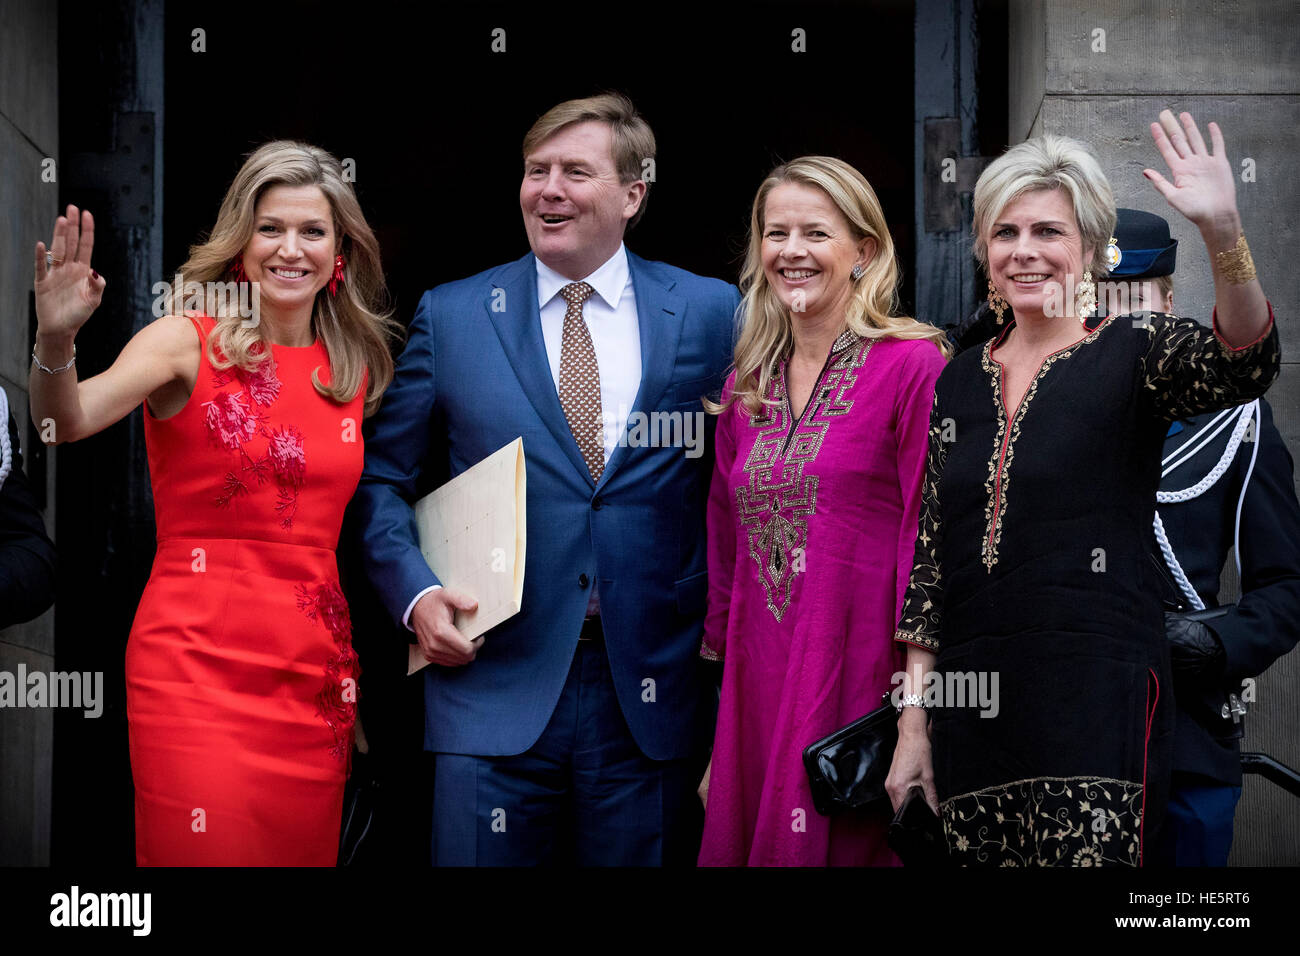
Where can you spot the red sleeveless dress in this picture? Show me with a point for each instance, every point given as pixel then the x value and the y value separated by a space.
pixel 241 678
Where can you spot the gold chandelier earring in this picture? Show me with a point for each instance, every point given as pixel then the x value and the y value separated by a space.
pixel 1085 297
pixel 996 302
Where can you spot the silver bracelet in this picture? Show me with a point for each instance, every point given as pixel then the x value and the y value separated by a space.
pixel 911 700
pixel 55 371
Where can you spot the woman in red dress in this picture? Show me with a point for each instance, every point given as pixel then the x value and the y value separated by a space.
pixel 241 679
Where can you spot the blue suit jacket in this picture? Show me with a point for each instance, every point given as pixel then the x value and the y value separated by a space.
pixel 473 377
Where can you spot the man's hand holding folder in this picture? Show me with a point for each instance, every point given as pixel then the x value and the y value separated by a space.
pixel 472 534
pixel 434 622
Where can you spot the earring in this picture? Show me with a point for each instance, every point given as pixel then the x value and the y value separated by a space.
pixel 1085 297
pixel 996 302
pixel 237 269
pixel 337 278
pixel 858 271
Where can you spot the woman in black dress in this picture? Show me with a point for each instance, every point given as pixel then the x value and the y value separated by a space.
pixel 1032 573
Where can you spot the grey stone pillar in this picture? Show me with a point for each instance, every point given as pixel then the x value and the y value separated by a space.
pixel 29 193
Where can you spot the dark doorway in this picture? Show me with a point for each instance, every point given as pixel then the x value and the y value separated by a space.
pixel 434 118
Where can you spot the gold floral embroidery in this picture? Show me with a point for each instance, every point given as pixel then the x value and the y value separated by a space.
pixel 1187 369
pixel 1047 821
pixel 775 510
pixel 1004 445
pixel 922 613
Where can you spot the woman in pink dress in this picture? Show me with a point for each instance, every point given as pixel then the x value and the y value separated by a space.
pixel 821 442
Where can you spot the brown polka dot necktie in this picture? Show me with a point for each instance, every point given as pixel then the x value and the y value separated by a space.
pixel 580 381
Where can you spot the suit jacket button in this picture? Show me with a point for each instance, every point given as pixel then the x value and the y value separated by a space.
pixel 582 580
pixel 597 504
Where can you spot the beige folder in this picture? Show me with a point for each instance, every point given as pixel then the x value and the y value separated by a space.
pixel 472 534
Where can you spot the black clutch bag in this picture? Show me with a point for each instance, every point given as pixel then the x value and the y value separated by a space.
pixel 847 769
pixel 916 834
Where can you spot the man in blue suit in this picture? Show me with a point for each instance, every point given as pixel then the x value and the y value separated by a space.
pixel 566 734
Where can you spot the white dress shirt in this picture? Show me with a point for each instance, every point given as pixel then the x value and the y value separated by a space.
pixel 611 319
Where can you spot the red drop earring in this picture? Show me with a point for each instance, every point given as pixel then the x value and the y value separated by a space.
pixel 337 278
pixel 237 270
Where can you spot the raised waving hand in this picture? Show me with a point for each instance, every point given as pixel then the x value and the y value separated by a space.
pixel 1204 190
pixel 68 290
pixel 1203 187
pixel 159 363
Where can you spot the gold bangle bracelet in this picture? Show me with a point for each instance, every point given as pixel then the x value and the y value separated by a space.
pixel 1235 264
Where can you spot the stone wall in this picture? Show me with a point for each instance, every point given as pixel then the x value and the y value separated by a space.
pixel 29 129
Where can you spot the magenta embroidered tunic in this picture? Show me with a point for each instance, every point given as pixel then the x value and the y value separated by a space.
pixel 812 526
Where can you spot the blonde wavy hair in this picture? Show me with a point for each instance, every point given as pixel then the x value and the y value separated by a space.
pixel 766 336
pixel 355 324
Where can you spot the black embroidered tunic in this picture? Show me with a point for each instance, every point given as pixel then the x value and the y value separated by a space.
pixel 1033 575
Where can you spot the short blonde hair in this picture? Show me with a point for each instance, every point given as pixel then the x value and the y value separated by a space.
pixel 766 335
pixel 634 142
pixel 355 325
pixel 1166 285
pixel 1048 162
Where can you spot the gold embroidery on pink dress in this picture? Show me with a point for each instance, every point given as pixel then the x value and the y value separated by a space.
pixel 775 504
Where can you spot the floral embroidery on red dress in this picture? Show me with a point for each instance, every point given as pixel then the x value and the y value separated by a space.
pixel 262 383
pixel 284 449
pixel 336 702
pixel 231 422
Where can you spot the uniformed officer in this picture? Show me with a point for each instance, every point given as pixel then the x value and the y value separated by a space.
pixel 1227 483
